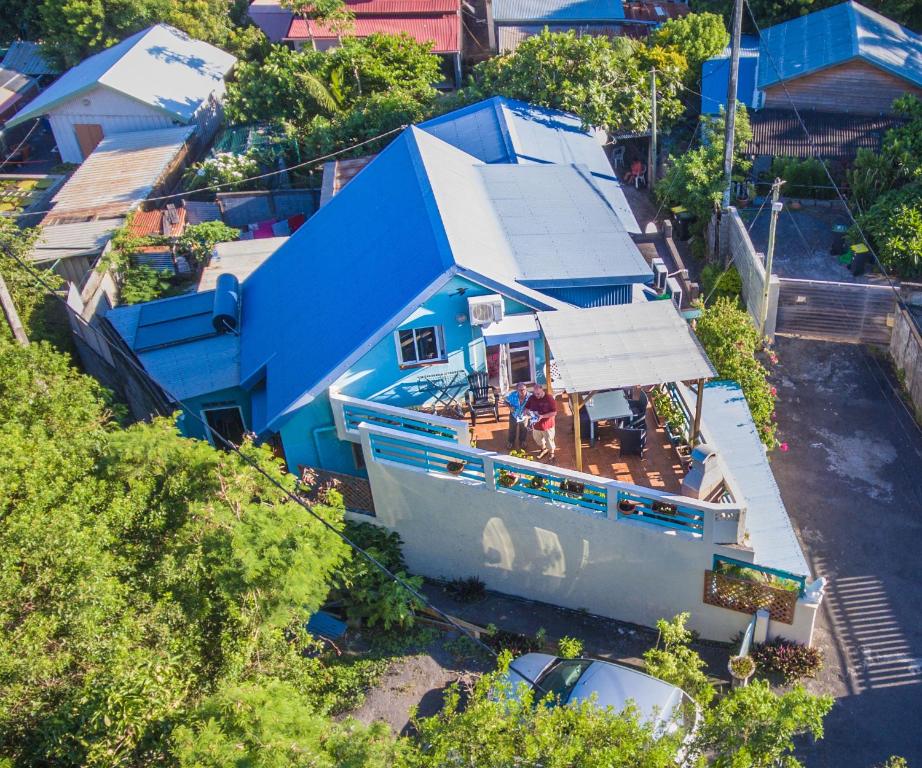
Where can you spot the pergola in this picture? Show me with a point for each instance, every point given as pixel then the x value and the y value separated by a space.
pixel 627 345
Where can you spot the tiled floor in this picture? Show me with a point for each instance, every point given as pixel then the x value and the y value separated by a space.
pixel 660 467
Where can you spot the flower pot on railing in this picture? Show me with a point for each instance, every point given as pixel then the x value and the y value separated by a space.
pixel 455 467
pixel 741 668
pixel 664 508
pixel 537 483
pixel 572 488
pixel 507 479
pixel 627 507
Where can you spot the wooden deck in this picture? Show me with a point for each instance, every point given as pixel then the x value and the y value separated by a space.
pixel 660 468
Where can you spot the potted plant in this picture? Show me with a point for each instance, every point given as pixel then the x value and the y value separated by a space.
pixel 507 479
pixel 455 467
pixel 537 482
pixel 627 506
pixel 741 668
pixel 572 488
pixel 664 508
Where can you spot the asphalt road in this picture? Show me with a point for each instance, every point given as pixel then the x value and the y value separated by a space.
pixel 852 483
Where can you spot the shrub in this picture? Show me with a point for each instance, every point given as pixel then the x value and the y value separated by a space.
pixel 142 283
pixel 225 168
pixel 569 647
pixel 673 661
pixel 716 283
pixel 804 178
pixel 514 642
pixel 469 590
pixel 894 225
pixel 790 660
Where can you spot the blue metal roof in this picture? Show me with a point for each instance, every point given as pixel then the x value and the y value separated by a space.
pixel 501 130
pixel 836 35
pixel 716 72
pixel 557 10
pixel 727 425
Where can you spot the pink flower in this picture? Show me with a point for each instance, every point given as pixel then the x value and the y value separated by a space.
pixel 784 447
pixel 773 357
pixel 774 391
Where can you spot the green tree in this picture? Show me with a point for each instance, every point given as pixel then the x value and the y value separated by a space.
pixel 754 727
pixel 334 14
pixel 605 82
pixel 199 240
pixel 673 660
pixel 769 12
pixel 19 20
pixel 894 226
pixel 697 37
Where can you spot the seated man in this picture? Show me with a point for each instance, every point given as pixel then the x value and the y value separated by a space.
pixel 518 421
pixel 543 405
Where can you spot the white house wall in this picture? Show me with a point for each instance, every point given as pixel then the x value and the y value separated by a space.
pixel 113 111
pixel 523 546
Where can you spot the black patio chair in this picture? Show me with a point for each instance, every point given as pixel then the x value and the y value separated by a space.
pixel 633 442
pixel 638 418
pixel 481 396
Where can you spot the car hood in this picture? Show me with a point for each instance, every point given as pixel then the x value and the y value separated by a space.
pixel 528 668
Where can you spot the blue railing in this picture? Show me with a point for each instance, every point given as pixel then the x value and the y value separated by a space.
pixel 673 391
pixel 551 486
pixel 776 572
pixel 354 415
pixel 666 514
pixel 429 457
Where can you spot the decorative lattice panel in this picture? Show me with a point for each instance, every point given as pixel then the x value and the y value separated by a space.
pixel 748 596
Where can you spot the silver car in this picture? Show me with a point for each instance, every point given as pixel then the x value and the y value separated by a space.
pixel 665 706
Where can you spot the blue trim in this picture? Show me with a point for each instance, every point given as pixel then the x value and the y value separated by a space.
pixel 353 415
pixel 802 580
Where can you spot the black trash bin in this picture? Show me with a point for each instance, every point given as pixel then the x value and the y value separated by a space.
pixel 860 257
pixel 683 222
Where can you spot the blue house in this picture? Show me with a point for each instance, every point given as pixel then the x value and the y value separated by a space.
pixel 500 208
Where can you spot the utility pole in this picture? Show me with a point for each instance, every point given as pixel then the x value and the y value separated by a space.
pixel 770 253
pixel 730 114
pixel 651 163
pixel 12 316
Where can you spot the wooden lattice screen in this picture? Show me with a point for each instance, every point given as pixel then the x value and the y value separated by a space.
pixel 748 596
pixel 356 491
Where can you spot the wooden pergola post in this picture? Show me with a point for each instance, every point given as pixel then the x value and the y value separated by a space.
pixel 700 401
pixel 547 367
pixel 575 405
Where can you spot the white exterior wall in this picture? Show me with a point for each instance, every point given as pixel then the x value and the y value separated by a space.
pixel 528 547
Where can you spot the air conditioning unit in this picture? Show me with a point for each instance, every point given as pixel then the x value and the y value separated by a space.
pixel 675 291
pixel 484 310
pixel 660 272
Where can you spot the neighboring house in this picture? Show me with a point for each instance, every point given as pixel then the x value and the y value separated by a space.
pixel 26 58
pixel 157 78
pixel 841 67
pixel 435 21
pixel 16 89
pixel 495 240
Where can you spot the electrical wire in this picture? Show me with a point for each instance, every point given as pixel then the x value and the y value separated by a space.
pixel 19 146
pixel 134 364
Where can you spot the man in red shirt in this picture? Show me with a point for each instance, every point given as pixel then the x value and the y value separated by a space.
pixel 543 405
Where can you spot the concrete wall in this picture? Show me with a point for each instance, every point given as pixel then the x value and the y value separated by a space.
pixel 626 569
pixel 906 351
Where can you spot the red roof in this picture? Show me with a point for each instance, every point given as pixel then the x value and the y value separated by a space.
pixel 443 31
pixel 402 7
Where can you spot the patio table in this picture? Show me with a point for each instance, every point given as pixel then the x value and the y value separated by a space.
pixel 444 388
pixel 604 406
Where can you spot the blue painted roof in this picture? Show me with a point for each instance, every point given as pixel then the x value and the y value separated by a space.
pixel 727 425
pixel 836 35
pixel 186 361
pixel 716 72
pixel 501 130
pixel 557 10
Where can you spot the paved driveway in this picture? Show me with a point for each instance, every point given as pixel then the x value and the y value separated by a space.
pixel 852 482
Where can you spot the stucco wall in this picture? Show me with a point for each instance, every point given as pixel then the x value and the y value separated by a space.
pixel 906 351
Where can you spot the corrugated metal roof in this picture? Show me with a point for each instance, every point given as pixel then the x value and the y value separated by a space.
pixel 400 7
pixel 626 345
pixel 338 173
pixel 240 257
pixel 199 211
pixel 159 66
pixel 715 75
pixel 727 426
pixel 655 12
pixel 27 58
pixel 836 35
pixel 60 241
pixel 557 10
pixel 120 173
pixel 186 370
pixel 15 81
pixel 511 35
pixel 147 223
pixel 444 31
pixel 501 130
pixel 836 136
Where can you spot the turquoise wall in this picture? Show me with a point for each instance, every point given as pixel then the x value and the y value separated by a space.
pixel 225 398
pixel 309 438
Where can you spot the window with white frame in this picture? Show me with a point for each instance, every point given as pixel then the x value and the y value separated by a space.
pixel 418 346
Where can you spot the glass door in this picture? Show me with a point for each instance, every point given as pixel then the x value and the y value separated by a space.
pixel 521 362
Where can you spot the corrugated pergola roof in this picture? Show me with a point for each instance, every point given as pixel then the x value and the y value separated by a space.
pixel 621 346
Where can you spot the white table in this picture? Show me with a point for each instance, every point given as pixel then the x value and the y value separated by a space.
pixel 604 406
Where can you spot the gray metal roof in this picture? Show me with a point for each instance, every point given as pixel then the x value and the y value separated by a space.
pixel 625 345
pixel 25 57
pixel 557 10
pixel 509 36
pixel 240 258
pixel 836 35
pixel 120 173
pixel 727 426
pixel 159 66
pixel 85 238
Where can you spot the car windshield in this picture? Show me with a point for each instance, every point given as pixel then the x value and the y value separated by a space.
pixel 561 678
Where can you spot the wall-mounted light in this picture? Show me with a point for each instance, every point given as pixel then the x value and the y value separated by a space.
pixel 461 318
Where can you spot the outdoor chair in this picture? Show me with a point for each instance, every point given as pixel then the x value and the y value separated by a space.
pixel 633 442
pixel 481 396
pixel 639 410
pixel 617 157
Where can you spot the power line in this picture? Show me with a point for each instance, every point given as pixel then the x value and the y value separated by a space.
pixel 255 465
pixel 19 146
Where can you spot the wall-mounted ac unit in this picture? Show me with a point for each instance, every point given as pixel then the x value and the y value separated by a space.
pixel 659 275
pixel 484 310
pixel 675 291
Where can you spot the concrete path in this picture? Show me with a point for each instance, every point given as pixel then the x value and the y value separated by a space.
pixel 852 483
